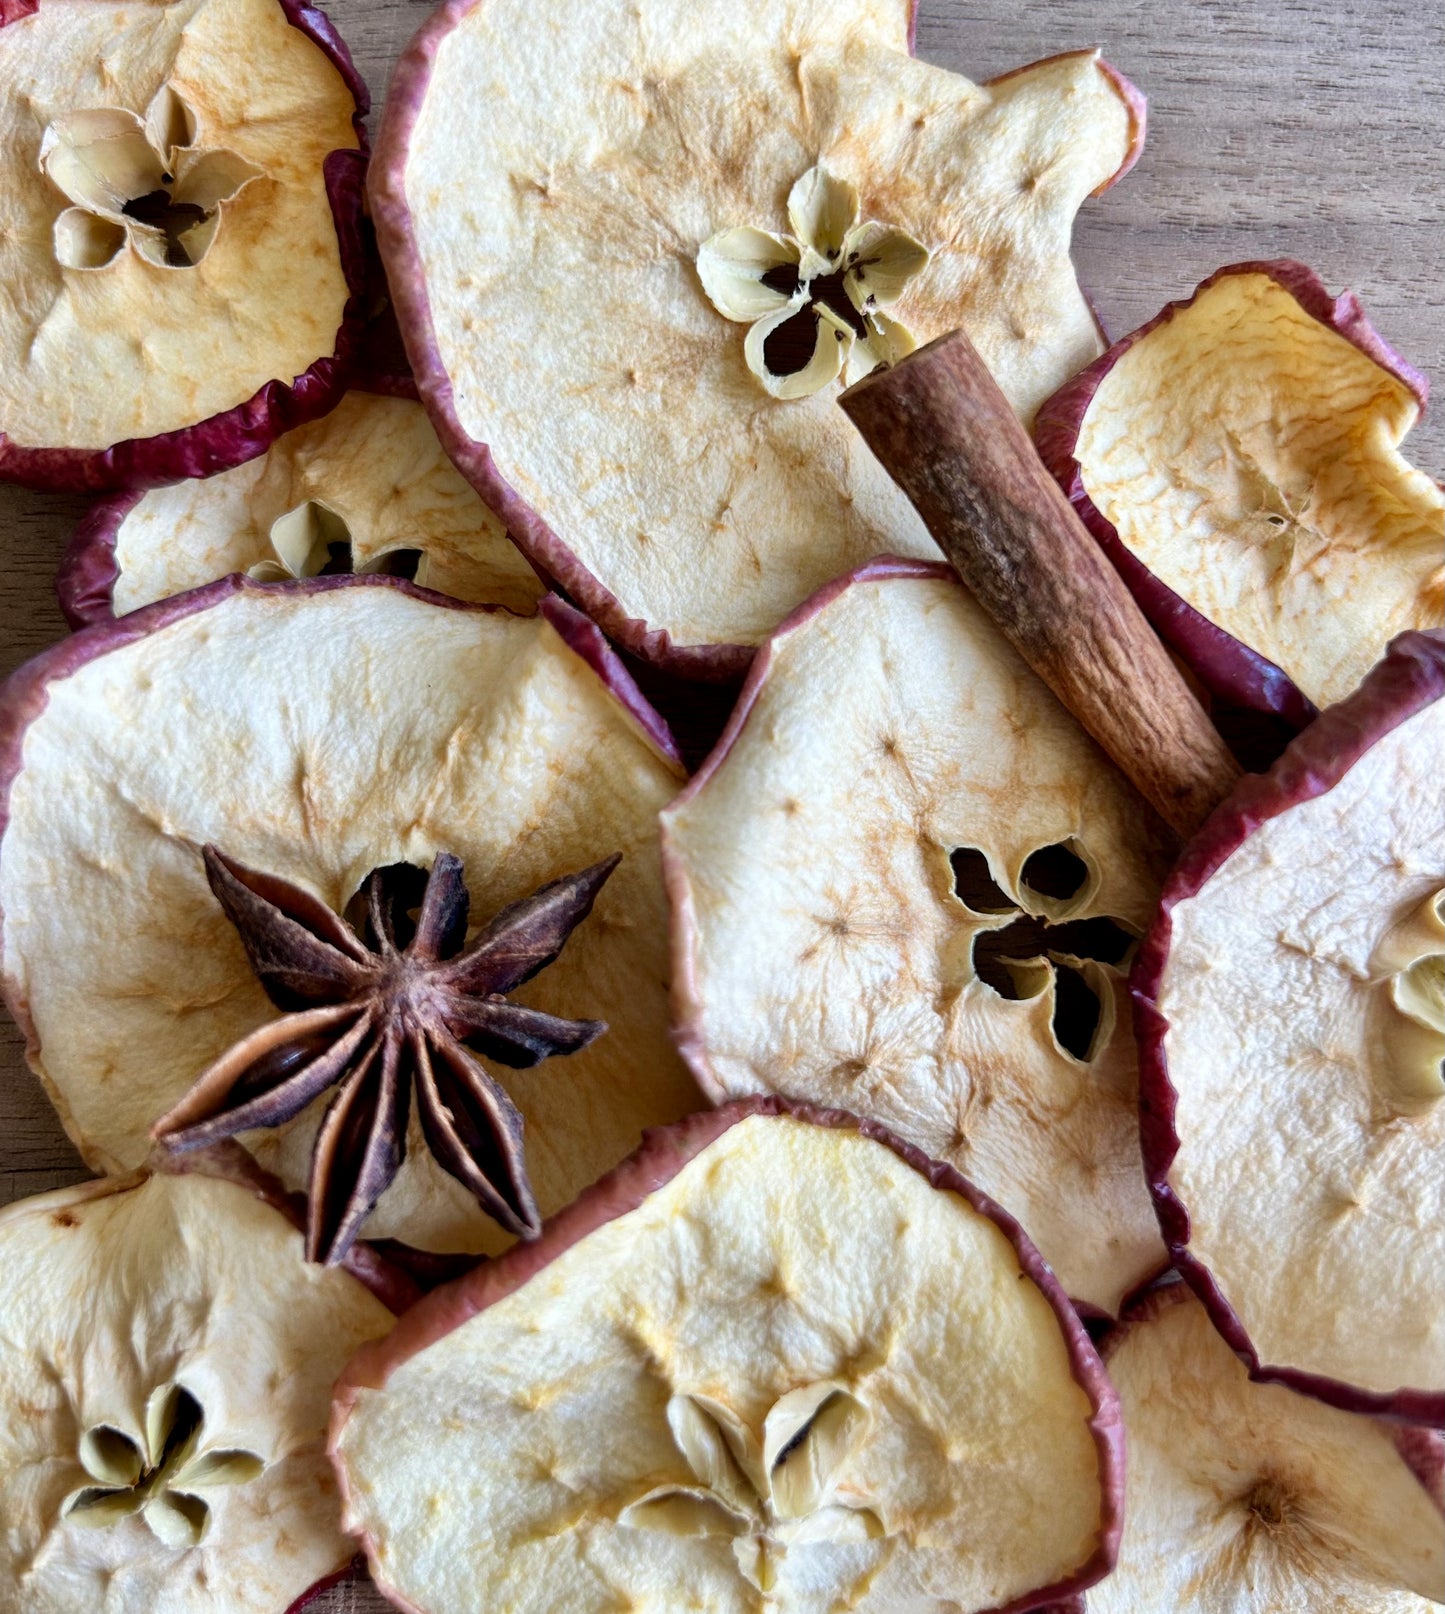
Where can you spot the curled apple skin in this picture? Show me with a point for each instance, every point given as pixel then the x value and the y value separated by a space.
pixel 1237 677
pixel 1408 680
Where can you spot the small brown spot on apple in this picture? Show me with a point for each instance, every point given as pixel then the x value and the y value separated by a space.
pixel 1268 1505
pixel 946 997
pixel 64 1218
pixel 775 1286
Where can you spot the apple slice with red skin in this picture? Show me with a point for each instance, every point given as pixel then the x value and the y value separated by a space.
pixel 1237 460
pixel 1251 1498
pixel 367 488
pixel 1291 996
pixel 517 744
pixel 166 1360
pixel 1292 1117
pixel 856 919
pixel 778 1351
pixel 620 431
pixel 353 1591
pixel 129 373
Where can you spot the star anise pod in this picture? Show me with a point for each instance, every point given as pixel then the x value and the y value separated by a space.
pixel 381 1014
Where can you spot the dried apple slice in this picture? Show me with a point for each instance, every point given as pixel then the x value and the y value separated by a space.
pixel 1238 458
pixel 166 1363
pixel 777 1359
pixel 365 489
pixel 184 225
pixel 1251 1498
pixel 1291 1043
pixel 313 735
pixel 631 283
pixel 906 884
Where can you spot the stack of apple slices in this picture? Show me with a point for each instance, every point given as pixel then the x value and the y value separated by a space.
pixel 992 1055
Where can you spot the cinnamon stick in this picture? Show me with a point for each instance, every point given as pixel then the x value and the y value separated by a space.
pixel 946 434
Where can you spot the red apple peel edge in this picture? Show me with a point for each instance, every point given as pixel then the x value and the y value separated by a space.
pixel 546 549
pixel 1410 678
pixel 249 428
pixel 662 1154
pixel 87 574
pixel 1228 668
pixel 26 693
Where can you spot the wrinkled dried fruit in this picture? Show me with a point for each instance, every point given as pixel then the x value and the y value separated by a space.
pixel 180 229
pixel 907 884
pixel 812 299
pixel 1238 458
pixel 166 1361
pixel 385 1014
pixel 1251 1498
pixel 140 182
pixel 775 1361
pixel 163 1474
pixel 767 1495
pixel 674 240
pixel 365 489
pixel 319 732
pixel 1292 1041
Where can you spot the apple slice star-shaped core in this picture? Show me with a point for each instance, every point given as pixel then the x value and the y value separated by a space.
pixel 777 1360
pixel 1239 459
pixel 907 884
pixel 166 1362
pixel 632 273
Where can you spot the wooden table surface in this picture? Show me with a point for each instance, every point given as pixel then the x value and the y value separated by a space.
pixel 1277 128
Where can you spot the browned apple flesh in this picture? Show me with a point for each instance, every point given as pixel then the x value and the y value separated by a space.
pixel 1240 457
pixel 180 215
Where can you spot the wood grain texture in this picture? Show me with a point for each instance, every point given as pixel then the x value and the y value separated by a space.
pixel 1280 128
pixel 1295 128
pixel 942 428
